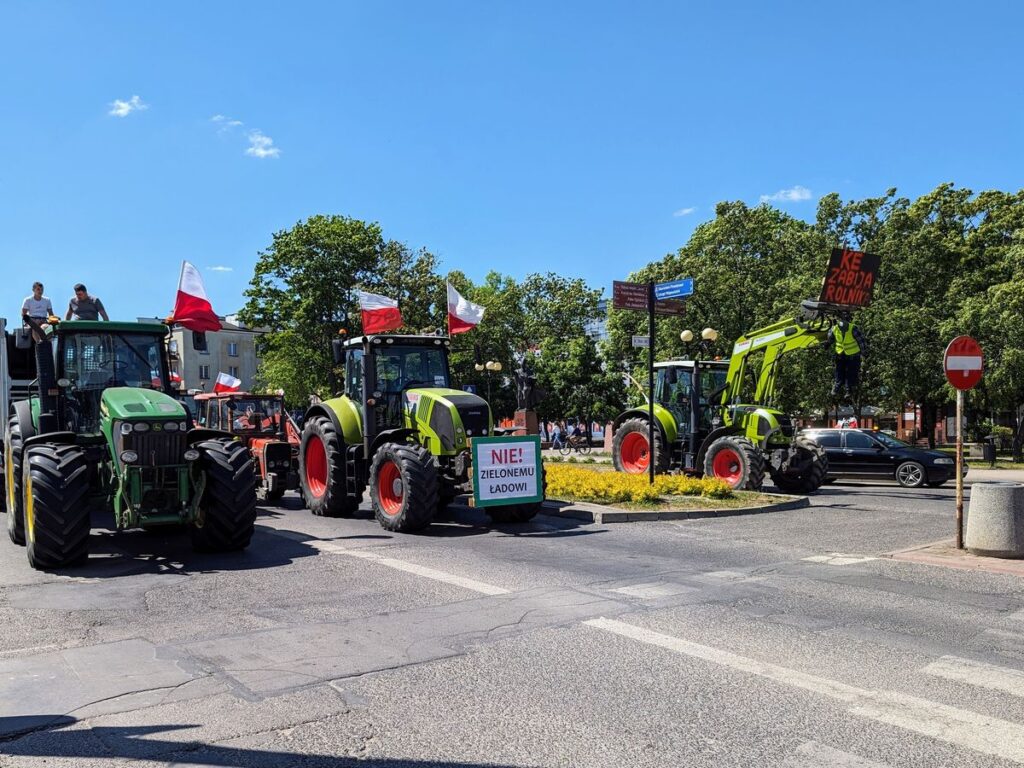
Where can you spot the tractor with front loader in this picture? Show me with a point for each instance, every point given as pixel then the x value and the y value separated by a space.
pixel 702 425
pixel 103 431
pixel 400 428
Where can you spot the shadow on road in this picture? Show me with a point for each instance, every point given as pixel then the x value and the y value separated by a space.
pixel 43 736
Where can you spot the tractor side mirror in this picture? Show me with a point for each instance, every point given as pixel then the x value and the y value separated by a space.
pixel 338 349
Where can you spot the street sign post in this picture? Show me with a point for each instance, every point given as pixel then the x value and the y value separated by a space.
pixel 676 289
pixel 963 364
pixel 634 296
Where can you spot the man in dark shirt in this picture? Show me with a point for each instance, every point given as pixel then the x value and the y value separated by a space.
pixel 85 307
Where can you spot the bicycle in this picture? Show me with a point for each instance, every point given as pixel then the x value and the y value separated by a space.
pixel 578 443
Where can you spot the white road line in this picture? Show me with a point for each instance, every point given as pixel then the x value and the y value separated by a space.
pixel 837 558
pixel 417 570
pixel 814 755
pixel 654 591
pixel 988 735
pixel 978 673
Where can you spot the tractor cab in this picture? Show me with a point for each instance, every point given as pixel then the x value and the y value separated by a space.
pixel 683 387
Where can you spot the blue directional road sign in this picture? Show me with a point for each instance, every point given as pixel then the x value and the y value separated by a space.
pixel 677 289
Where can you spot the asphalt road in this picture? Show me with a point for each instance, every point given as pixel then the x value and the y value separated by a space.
pixel 774 639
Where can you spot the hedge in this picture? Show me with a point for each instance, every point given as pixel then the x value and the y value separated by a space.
pixel 569 482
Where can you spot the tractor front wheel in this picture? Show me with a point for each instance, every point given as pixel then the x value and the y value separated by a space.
pixel 12 471
pixel 808 468
pixel 737 461
pixel 227 510
pixel 403 487
pixel 322 470
pixel 55 486
pixel 631 448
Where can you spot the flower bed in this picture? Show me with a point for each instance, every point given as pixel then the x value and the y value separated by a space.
pixel 576 483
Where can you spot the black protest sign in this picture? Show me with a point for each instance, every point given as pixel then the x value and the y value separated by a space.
pixel 850 278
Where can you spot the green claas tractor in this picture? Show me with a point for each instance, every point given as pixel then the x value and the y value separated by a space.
pixel 103 431
pixel 398 427
pixel 704 427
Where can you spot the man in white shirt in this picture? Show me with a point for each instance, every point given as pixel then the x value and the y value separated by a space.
pixel 37 306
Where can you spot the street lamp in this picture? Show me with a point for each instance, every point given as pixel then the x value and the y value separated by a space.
pixel 490 366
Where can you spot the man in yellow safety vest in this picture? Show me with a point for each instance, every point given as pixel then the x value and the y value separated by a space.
pixel 849 345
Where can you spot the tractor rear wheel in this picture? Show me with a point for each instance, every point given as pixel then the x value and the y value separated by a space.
pixel 631 451
pixel 227 510
pixel 55 484
pixel 811 466
pixel 322 470
pixel 12 470
pixel 403 487
pixel 737 461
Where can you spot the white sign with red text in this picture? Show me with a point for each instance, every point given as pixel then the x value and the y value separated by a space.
pixel 507 470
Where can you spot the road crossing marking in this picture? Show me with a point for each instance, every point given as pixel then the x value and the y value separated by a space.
pixel 978 673
pixel 416 570
pixel 811 754
pixel 838 558
pixel 988 735
pixel 654 590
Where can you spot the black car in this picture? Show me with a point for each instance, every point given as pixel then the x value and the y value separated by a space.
pixel 865 454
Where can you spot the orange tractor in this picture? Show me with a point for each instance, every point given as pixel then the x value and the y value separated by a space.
pixel 263 424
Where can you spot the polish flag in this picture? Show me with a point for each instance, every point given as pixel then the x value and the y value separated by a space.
pixel 175 377
pixel 227 383
pixel 463 315
pixel 379 313
pixel 192 308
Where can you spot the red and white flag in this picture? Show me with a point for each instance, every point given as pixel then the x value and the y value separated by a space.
pixel 463 315
pixel 379 312
pixel 227 383
pixel 192 308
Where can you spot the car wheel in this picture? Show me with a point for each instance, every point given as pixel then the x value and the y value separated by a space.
pixel 910 474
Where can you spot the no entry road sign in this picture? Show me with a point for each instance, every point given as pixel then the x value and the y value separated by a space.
pixel 963 362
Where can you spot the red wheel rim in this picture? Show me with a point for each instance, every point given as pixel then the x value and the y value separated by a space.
pixel 635 453
pixel 390 489
pixel 316 467
pixel 727 465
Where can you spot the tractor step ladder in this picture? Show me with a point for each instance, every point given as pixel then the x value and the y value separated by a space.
pixel 352 485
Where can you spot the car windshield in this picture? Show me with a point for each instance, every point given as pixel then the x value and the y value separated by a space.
pixel 93 361
pixel 256 414
pixel 889 441
pixel 401 368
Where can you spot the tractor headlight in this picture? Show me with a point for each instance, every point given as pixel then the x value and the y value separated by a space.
pixel 140 426
pixel 129 457
pixel 171 426
pixel 183 426
pixel 191 454
pixel 126 428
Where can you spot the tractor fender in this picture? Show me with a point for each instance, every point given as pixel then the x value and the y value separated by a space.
pixel 342 413
pixel 712 436
pixel 57 438
pixel 205 433
pixel 401 435
pixel 23 410
pixel 662 417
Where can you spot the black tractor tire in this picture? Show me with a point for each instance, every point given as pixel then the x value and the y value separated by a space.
pixel 227 510
pixel 736 460
pixel 403 487
pixel 814 462
pixel 911 474
pixel 630 448
pixel 12 468
pixel 322 470
pixel 55 483
pixel 518 513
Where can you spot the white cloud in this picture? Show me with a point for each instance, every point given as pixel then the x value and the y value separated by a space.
pixel 684 211
pixel 225 124
pixel 792 195
pixel 119 108
pixel 221 269
pixel 261 146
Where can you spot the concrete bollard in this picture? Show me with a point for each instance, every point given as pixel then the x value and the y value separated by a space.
pixel 995 520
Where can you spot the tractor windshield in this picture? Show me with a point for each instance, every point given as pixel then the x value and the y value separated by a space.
pixel 401 368
pixel 96 361
pixel 255 414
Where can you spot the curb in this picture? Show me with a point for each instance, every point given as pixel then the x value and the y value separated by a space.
pixel 600 514
pixel 943 554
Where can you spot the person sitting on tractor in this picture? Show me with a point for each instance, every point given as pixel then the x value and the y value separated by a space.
pixel 82 306
pixel 37 306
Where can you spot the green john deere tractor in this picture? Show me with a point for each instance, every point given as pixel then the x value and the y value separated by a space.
pixel 401 429
pixel 703 427
pixel 104 431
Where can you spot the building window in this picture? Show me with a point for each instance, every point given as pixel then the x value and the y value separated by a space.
pixel 204 372
pixel 233 350
pixel 233 371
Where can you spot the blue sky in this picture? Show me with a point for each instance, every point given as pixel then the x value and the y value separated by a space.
pixel 587 138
